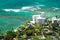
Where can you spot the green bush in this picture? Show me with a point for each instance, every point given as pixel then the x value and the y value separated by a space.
pixel 1 36
pixel 10 35
pixel 35 38
pixel 29 32
pixel 22 39
pixel 24 36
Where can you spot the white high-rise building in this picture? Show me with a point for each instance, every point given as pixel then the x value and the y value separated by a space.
pixel 43 14
pixel 40 20
pixel 35 17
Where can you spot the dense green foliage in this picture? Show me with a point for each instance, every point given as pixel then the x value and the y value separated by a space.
pixel 36 32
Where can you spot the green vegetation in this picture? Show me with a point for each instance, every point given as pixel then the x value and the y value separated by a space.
pixel 35 38
pixel 33 32
pixel 10 35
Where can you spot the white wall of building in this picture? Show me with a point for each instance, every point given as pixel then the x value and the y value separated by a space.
pixel 35 17
pixel 40 20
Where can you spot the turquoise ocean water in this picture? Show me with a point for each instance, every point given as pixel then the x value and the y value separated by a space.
pixel 12 20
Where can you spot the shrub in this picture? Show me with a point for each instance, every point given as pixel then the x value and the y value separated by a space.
pixel 29 32
pixel 10 35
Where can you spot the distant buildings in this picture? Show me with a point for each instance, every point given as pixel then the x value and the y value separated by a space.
pixel 43 14
pixel 34 18
pixel 55 20
pixel 40 19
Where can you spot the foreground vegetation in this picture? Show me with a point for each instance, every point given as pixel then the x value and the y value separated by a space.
pixel 34 32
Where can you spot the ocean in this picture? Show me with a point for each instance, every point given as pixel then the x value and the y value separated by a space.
pixel 12 20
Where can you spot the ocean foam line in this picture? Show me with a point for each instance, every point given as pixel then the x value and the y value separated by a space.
pixel 25 8
pixel 55 8
pixel 14 10
pixel 7 10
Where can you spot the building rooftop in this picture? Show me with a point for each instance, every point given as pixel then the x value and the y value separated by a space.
pixel 41 18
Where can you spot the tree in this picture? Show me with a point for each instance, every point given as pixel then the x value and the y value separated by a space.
pixel 35 38
pixel 37 31
pixel 1 36
pixel 24 36
pixel 48 38
pixel 29 32
pixel 10 35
